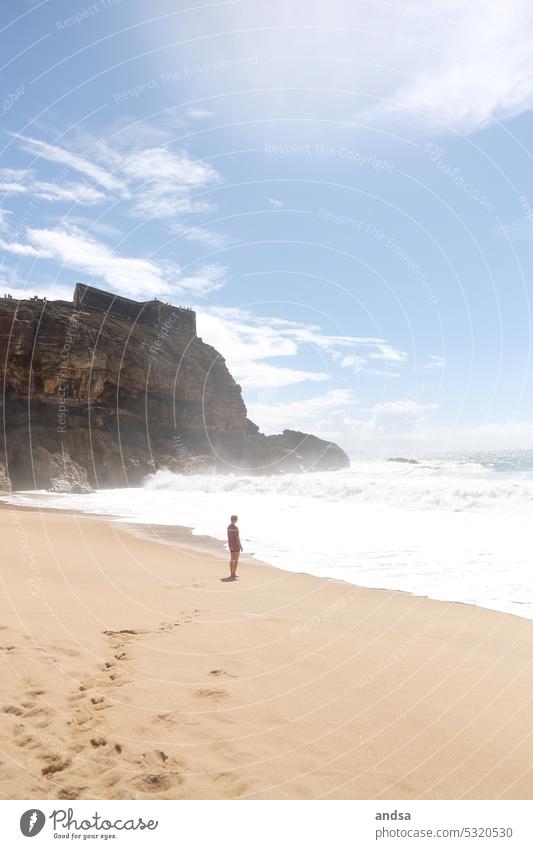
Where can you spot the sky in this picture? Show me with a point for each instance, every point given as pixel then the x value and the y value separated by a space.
pixel 343 191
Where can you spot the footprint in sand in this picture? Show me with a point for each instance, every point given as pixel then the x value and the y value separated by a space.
pixel 221 673
pixel 157 781
pixel 25 740
pixel 86 684
pixel 154 758
pixel 229 786
pixel 71 792
pixel 83 718
pixel 125 633
pixel 14 709
pixel 163 772
pixel 211 695
pixel 55 763
pixel 186 617
pixel 99 703
pixel 42 717
pixel 118 680
pixel 175 719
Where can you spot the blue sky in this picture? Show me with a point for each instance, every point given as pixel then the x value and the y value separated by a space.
pixel 343 191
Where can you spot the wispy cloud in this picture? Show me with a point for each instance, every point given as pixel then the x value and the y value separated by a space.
pixel 476 67
pixel 19 249
pixel 153 182
pixel 438 63
pixel 194 112
pixel 4 220
pixel 18 182
pixel 203 235
pixel 261 375
pixel 169 181
pixel 435 362
pixel 132 276
pixel 74 161
pixel 302 413
pixel 251 342
pixel 399 417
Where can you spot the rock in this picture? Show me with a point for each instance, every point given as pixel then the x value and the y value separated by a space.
pixel 56 472
pixel 5 483
pixel 311 453
pixel 401 460
pixel 106 391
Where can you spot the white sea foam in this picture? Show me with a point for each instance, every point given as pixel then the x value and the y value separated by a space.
pixel 451 529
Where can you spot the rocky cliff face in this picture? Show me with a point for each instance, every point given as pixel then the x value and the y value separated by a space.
pixel 94 399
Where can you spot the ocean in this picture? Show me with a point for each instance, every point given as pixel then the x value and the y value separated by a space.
pixel 455 527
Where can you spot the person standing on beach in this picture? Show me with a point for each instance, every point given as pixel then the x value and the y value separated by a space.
pixel 234 544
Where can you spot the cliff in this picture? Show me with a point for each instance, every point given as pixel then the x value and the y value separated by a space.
pixel 100 393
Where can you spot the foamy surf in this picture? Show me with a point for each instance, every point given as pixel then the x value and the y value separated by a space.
pixel 455 529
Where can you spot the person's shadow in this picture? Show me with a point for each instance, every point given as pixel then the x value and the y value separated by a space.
pixel 229 578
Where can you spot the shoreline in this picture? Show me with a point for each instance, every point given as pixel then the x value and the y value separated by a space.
pixel 184 536
pixel 133 671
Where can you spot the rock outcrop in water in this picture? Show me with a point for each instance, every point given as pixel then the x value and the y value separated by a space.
pixel 102 391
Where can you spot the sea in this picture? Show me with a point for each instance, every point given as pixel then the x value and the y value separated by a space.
pixel 452 527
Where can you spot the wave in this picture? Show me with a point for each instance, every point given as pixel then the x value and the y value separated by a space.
pixel 456 530
pixel 448 486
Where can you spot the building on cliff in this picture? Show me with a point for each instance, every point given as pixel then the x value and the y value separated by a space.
pixel 102 391
pixel 153 313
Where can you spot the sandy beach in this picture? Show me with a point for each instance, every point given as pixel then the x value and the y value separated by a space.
pixel 130 670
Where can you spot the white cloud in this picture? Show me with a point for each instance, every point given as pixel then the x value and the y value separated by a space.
pixel 209 278
pixel 435 362
pixel 11 189
pixel 399 417
pixel 353 361
pixel 4 220
pixel 131 276
pixel 199 113
pixel 24 250
pixel 385 427
pixel 154 182
pixel 273 417
pixel 435 62
pixel 203 235
pixel 259 375
pixel 77 162
pixel 482 71
pixel 168 182
pixel 25 182
pixel 387 352
pixel 248 340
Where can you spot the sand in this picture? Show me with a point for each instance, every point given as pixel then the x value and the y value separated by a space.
pixel 130 670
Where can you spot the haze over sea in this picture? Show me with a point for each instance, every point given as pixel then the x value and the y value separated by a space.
pixel 455 527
